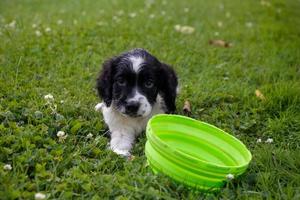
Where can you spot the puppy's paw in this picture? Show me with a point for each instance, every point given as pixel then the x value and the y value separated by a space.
pixel 121 144
pixel 99 107
pixel 122 152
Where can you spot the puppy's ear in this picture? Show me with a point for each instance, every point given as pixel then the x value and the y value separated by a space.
pixel 104 81
pixel 168 86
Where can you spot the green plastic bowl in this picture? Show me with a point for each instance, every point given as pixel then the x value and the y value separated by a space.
pixel 194 153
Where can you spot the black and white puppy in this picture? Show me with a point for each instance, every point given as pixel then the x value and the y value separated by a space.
pixel 134 86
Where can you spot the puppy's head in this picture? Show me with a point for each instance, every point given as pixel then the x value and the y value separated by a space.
pixel 131 82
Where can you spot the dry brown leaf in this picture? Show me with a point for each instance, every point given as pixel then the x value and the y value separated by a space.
pixel 259 95
pixel 220 43
pixel 187 107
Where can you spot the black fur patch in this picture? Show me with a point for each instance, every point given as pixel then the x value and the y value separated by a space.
pixel 118 81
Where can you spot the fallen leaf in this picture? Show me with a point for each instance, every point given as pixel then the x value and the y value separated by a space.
pixel 187 107
pixel 220 43
pixel 259 95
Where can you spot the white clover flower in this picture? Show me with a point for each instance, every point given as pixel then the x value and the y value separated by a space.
pixel 132 15
pixel 62 11
pixel 249 24
pixel 38 33
pixel 116 18
pixel 100 23
pixel 99 107
pixel 89 136
pixel 163 12
pixel 62 101
pixel 269 140
pixel 59 22
pixel 265 3
pixel 228 14
pixel 62 139
pixel 48 29
pixel 186 10
pixel 34 26
pixel 7 167
pixel 216 33
pixel 149 3
pixel 12 24
pixel 151 16
pixel 39 196
pixel 177 27
pixel 60 134
pixel 49 97
pixel 230 176
pixel 120 12
pixel 258 140
pixel 220 24
pixel 221 6
pixel 278 10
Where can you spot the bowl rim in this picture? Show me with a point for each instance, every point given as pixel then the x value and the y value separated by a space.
pixel 156 167
pixel 175 150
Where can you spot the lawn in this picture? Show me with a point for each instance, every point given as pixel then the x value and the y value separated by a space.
pixel 57 47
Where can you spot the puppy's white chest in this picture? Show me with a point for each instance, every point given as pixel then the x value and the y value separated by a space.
pixel 117 122
pixel 124 129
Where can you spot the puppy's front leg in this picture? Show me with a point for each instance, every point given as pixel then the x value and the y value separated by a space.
pixel 121 143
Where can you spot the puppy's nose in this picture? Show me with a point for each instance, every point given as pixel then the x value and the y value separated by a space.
pixel 132 106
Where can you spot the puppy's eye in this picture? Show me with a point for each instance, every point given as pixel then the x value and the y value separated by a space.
pixel 149 84
pixel 121 81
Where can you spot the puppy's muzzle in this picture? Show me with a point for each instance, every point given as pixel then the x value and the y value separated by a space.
pixel 132 107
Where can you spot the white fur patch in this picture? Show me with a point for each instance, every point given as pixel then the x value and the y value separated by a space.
pixel 136 62
pixel 177 90
pixel 124 129
pixel 121 143
pixel 99 107
pixel 145 107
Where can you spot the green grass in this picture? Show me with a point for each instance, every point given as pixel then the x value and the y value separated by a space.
pixel 219 82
